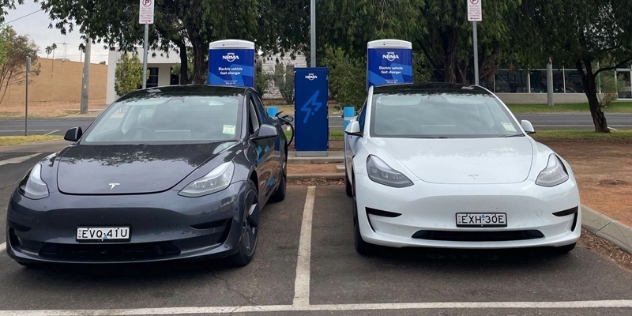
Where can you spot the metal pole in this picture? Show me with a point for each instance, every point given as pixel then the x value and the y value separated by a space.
pixel 476 80
pixel 85 81
pixel 313 32
pixel 145 48
pixel 26 101
pixel 549 83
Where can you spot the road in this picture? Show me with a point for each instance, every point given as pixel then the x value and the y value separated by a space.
pixel 306 265
pixel 58 126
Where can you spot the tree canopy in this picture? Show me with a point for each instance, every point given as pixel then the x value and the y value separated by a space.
pixel 13 68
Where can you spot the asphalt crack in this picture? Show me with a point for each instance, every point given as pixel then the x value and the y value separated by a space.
pixel 247 299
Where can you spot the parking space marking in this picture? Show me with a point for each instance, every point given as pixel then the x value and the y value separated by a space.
pixel 301 283
pixel 17 159
pixel 3 247
pixel 329 307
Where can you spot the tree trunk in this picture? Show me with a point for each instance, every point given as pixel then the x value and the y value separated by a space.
pixel 590 89
pixel 200 68
pixel 184 63
pixel 450 43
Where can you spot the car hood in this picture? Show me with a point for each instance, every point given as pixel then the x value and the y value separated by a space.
pixel 463 161
pixel 129 169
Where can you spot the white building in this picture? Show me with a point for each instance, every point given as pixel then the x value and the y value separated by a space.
pixel 159 69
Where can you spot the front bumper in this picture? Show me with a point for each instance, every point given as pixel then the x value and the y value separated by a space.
pixel 428 212
pixel 164 226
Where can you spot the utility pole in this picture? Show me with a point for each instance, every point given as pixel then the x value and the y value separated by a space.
pixel 313 32
pixel 64 50
pixel 85 82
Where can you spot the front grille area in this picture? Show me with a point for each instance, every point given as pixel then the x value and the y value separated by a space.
pixel 110 252
pixel 478 235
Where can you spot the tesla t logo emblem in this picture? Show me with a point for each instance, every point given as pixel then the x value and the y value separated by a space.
pixel 474 176
pixel 112 185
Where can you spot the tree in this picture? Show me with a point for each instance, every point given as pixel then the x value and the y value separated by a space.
pixel 48 49
pixel 580 34
pixel 284 81
pixel 7 4
pixel 347 77
pixel 128 74
pixel 13 69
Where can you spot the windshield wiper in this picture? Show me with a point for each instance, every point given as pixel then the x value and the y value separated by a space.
pixel 515 135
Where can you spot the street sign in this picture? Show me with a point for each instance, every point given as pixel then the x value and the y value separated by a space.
pixel 474 11
pixel 146 13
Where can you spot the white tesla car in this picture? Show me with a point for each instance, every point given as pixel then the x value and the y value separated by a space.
pixel 449 166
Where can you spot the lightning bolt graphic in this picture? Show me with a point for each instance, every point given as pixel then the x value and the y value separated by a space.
pixel 311 102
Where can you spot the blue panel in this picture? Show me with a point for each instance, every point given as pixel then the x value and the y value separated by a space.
pixel 348 113
pixel 231 67
pixel 389 66
pixel 311 112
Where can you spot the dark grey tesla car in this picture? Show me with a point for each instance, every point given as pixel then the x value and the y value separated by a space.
pixel 165 173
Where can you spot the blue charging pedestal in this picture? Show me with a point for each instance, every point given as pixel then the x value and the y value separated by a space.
pixel 272 111
pixel 389 61
pixel 311 112
pixel 231 63
pixel 348 113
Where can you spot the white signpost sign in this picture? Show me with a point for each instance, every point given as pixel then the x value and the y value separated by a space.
pixel 475 14
pixel 474 11
pixel 146 14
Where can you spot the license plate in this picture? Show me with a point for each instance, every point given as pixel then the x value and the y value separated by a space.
pixel 103 233
pixel 481 220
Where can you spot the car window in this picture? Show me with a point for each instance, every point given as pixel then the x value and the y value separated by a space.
pixel 195 119
pixel 260 108
pixel 440 115
pixel 254 117
pixel 362 116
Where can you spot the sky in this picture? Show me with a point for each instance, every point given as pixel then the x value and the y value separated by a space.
pixel 36 27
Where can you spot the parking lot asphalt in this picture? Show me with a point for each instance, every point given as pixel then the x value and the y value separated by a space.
pixel 306 265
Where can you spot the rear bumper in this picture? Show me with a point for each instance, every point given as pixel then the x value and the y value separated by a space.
pixel 164 227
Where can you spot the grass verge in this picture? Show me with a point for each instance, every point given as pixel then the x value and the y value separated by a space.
pixel 582 135
pixel 16 140
pixel 615 107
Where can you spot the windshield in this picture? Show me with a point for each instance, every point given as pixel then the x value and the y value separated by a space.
pixel 188 119
pixel 440 115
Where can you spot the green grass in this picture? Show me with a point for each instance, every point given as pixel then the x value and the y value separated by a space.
pixel 333 135
pixel 16 140
pixel 615 107
pixel 581 135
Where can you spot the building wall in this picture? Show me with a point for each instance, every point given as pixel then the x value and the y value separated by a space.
pixel 163 61
pixel 268 65
pixel 59 80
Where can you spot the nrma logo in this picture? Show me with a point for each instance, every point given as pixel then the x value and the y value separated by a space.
pixel 230 57
pixel 311 77
pixel 390 56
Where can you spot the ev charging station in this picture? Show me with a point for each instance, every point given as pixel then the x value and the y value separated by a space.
pixel 311 121
pixel 231 63
pixel 389 61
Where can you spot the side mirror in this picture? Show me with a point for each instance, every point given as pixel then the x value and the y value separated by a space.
pixel 73 134
pixel 527 127
pixel 353 129
pixel 266 131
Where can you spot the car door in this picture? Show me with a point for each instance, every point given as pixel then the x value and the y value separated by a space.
pixel 352 142
pixel 263 149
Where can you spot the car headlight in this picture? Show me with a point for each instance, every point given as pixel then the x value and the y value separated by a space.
pixel 554 173
pixel 214 181
pixel 382 173
pixel 35 188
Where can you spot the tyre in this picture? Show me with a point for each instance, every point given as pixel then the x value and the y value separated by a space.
pixel 279 194
pixel 361 246
pixel 348 188
pixel 249 229
pixel 564 249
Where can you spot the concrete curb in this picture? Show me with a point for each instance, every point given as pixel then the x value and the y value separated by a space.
pixel 607 228
pixel 328 176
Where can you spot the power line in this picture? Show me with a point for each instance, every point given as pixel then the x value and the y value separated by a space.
pixel 22 17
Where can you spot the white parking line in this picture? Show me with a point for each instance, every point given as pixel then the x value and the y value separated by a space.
pixel 3 247
pixel 329 307
pixel 17 159
pixel 301 283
